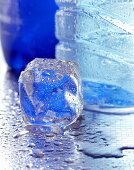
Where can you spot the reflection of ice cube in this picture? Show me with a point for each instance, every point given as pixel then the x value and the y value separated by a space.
pixel 50 92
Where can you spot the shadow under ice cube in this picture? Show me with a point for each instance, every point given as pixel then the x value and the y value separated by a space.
pixel 50 93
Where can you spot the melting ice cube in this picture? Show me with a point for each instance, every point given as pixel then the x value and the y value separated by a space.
pixel 50 93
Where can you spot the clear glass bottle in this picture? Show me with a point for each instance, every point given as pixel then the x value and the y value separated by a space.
pixel 99 36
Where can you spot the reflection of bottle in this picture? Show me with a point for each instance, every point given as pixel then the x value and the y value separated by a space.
pixel 27 30
pixel 99 35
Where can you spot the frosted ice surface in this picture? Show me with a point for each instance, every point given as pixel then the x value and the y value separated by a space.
pixel 50 93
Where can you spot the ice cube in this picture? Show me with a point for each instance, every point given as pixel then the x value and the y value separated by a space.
pixel 50 93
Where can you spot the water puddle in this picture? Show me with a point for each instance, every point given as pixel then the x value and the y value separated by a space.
pixel 99 152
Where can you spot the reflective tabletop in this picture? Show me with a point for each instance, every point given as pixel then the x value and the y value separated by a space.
pixel 95 142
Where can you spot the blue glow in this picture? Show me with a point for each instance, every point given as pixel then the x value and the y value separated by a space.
pixel 27 30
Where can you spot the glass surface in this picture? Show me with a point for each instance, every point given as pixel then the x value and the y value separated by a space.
pixel 94 140
pixel 27 29
pixel 99 35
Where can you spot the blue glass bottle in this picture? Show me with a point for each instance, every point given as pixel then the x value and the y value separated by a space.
pixel 27 30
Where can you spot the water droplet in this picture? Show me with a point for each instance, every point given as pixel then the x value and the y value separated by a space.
pixel 23 150
pixel 85 168
pixel 10 91
pixel 3 124
pixel 49 149
pixel 58 168
pixel 114 166
pixel 58 143
pixel 76 133
pixel 37 153
pixel 31 145
pixel 69 161
pixel 29 166
pixel 19 134
pixel 60 150
pixel 57 159
pixel 50 135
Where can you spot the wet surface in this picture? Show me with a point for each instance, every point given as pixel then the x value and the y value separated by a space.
pixel 95 142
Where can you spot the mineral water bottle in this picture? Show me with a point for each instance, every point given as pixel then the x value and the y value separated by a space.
pixel 27 29
pixel 99 36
